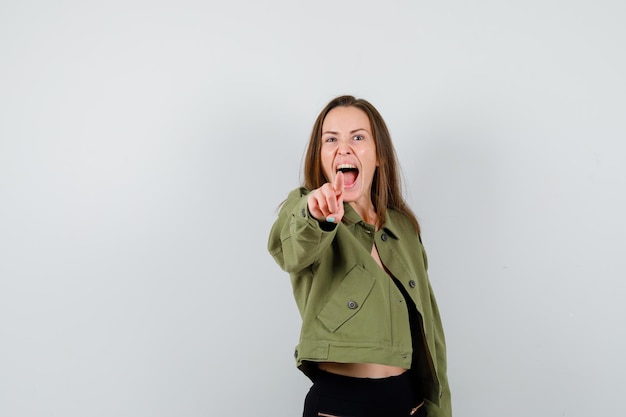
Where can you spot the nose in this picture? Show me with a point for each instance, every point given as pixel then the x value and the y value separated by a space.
pixel 344 148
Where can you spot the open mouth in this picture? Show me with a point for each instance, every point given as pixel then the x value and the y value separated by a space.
pixel 350 174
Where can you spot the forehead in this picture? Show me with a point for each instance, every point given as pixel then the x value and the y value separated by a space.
pixel 347 119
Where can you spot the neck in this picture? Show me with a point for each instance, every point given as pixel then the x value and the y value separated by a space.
pixel 367 213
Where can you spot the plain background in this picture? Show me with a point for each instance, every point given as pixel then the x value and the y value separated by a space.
pixel 145 147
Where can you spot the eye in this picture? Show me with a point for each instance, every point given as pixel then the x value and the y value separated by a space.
pixel 358 137
pixel 330 139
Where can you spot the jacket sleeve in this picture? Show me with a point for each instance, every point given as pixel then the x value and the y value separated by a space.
pixel 444 408
pixel 296 238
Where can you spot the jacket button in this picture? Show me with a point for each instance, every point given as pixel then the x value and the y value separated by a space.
pixel 412 284
pixel 352 305
pixel 303 212
pixel 384 237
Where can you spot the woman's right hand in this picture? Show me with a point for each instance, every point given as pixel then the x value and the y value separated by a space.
pixel 326 202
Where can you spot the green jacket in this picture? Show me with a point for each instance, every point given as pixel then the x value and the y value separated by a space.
pixel 351 310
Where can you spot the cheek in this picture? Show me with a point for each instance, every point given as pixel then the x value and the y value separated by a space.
pixel 368 159
pixel 327 162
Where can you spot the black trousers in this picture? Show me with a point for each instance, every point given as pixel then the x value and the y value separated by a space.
pixel 344 396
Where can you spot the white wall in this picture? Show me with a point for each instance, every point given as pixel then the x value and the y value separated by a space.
pixel 144 147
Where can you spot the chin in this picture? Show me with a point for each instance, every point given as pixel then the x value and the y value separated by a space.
pixel 351 196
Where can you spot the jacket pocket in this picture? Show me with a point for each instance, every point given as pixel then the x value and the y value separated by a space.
pixel 348 298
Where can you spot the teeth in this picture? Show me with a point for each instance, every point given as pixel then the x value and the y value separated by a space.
pixel 342 167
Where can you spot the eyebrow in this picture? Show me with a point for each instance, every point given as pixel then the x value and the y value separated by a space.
pixel 332 132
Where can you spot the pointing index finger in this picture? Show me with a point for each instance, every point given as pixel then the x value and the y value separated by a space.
pixel 338 185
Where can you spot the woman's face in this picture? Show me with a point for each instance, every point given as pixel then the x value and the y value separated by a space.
pixel 348 146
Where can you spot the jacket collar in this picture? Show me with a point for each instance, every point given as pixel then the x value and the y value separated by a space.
pixel 390 227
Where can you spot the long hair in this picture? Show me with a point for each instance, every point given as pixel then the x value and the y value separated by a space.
pixel 386 186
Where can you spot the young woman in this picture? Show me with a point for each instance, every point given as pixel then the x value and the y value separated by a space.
pixel 372 340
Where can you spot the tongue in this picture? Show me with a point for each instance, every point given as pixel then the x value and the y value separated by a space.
pixel 349 177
